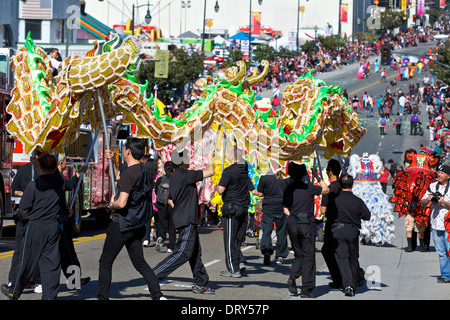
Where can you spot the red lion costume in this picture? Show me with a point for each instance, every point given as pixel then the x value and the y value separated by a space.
pixel 410 185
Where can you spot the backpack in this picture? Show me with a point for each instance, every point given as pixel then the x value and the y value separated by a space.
pixel 162 194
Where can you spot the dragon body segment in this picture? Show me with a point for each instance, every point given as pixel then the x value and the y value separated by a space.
pixel 47 113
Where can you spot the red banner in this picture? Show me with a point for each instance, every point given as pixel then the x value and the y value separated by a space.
pixel 256 23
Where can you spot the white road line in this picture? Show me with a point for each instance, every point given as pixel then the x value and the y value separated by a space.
pixel 246 248
pixel 211 263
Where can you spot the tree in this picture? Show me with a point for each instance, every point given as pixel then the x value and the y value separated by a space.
pixel 183 68
pixel 332 43
pixel 442 71
pixel 234 55
pixel 390 20
pixel 264 52
pixel 310 46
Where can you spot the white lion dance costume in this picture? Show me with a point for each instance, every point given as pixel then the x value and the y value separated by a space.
pixel 366 173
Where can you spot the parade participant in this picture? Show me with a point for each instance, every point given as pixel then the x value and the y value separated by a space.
pixel 398 123
pixel 25 174
pixel 366 171
pixel 347 210
pixel 234 188
pixel 151 164
pixel 298 205
pixel 380 105
pixel 164 215
pixel 437 193
pixel 131 207
pixel 383 75
pixel 382 124
pixel 385 176
pixel 409 186
pixel 67 250
pixel 183 198
pixel 272 188
pixel 388 106
pixel 414 122
pixel 41 203
pixel 333 172
pixel 355 103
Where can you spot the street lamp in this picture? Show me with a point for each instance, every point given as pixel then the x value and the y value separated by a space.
pixel 148 17
pixel 315 32
pixel 185 5
pixel 216 9
pixel 250 32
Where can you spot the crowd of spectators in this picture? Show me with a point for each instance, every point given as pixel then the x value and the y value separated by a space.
pixel 289 69
pixel 286 69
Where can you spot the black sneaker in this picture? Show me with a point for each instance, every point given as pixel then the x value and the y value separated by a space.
pixel 267 259
pixel 349 291
pixel 292 286
pixel 307 295
pixel 5 290
pixel 204 290
pixel 443 280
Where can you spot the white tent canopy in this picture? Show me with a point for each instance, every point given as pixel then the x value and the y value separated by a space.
pixel 282 42
pixel 220 40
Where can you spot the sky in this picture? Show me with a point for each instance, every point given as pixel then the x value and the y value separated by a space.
pixel 168 15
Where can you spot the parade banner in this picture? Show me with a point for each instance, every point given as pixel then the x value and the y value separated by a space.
pixel 404 4
pixel 420 7
pixel 344 13
pixel 256 23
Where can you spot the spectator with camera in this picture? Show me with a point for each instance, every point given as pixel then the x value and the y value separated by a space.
pixel 437 193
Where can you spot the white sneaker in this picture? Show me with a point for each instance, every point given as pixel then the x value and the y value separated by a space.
pixel 38 288
pixel 163 298
pixel 145 243
pixel 169 251
pixel 159 243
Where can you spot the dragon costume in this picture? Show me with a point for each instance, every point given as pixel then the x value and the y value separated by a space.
pixel 46 112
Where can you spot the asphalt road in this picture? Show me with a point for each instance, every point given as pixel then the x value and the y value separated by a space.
pixel 391 273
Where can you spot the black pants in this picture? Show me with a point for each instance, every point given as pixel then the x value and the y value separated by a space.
pixel 234 229
pixel 302 236
pixel 17 256
pixel 329 256
pixel 40 246
pixel 164 225
pixel 413 128
pixel 398 128
pixel 267 221
pixel 66 248
pixel 187 249
pixel 114 242
pixel 346 242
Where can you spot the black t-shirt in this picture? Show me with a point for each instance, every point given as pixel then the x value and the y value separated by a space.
pixel 24 175
pixel 183 192
pixel 42 197
pixel 128 178
pixel 235 181
pixel 273 189
pixel 334 187
pixel 345 207
pixel 299 197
